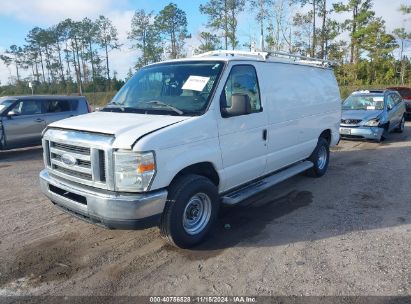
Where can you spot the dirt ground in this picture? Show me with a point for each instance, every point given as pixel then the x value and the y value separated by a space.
pixel 347 233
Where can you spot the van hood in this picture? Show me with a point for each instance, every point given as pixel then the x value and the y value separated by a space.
pixel 360 114
pixel 127 128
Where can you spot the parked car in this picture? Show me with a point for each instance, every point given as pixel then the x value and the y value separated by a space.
pixel 406 95
pixel 372 114
pixel 183 136
pixel 23 118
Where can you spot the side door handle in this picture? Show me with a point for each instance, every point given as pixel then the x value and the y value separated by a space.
pixel 39 120
pixel 265 134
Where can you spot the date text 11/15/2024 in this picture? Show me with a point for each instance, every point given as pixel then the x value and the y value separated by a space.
pixel 202 299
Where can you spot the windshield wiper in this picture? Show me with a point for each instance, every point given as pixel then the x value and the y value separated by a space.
pixel 120 109
pixel 114 103
pixel 160 103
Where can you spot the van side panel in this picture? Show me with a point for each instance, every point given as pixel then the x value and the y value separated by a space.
pixel 302 102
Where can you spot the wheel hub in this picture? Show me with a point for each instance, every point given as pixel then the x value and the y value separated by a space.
pixel 197 213
pixel 193 212
pixel 322 157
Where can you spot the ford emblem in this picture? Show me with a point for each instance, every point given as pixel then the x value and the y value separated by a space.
pixel 68 159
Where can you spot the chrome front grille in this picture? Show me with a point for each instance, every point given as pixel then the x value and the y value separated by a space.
pixel 73 173
pixel 84 163
pixel 80 168
pixel 71 148
pixel 79 157
pixel 80 162
pixel 350 121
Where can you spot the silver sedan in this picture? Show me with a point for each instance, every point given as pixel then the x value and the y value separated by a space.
pixel 372 114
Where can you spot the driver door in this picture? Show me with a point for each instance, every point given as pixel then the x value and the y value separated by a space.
pixel 398 110
pixel 243 139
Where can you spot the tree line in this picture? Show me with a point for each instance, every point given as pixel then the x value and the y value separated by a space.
pixel 74 56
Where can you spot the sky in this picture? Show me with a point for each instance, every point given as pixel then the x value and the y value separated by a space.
pixel 17 17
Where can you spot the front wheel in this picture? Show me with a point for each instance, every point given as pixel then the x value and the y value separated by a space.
pixel 320 158
pixel 401 126
pixel 190 211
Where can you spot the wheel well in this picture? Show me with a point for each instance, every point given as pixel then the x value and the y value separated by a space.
pixel 326 134
pixel 205 169
pixel 387 125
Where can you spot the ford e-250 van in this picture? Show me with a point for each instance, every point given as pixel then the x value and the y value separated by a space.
pixel 184 136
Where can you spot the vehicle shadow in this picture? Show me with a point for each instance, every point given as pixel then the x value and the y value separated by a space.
pixel 352 196
pixel 31 153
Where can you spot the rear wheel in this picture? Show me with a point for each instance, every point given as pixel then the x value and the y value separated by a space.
pixel 320 158
pixel 190 211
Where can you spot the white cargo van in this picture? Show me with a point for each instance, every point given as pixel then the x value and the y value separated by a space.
pixel 184 136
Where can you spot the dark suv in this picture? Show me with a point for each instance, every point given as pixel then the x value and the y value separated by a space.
pixel 23 118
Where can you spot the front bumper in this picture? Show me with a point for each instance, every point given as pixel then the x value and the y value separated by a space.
pixel 106 208
pixel 373 133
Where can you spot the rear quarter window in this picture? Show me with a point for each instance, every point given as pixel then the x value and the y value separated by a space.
pixel 56 106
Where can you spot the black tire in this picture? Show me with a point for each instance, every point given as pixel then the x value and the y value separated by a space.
pixel 401 126
pixel 181 192
pixel 320 167
pixel 386 131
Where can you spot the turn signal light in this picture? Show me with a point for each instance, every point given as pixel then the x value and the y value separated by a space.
pixel 145 167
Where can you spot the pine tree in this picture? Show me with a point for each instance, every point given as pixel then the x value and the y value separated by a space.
pixel 146 38
pixel 171 22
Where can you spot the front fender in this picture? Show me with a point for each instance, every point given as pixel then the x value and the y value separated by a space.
pixel 172 160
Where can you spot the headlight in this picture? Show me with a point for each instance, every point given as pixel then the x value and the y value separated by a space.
pixel 372 123
pixel 134 171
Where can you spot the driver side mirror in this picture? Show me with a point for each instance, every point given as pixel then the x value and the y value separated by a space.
pixel 11 114
pixel 389 107
pixel 240 105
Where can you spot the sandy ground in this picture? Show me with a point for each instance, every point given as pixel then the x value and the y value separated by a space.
pixel 347 233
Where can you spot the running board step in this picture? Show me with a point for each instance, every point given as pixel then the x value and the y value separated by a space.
pixel 239 195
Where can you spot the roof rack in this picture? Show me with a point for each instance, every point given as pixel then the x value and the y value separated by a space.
pixel 270 54
pixel 261 55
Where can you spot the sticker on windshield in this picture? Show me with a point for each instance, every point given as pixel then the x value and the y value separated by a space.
pixel 378 98
pixel 195 83
pixel 370 107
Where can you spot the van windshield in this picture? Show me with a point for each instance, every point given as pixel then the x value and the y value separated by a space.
pixel 364 102
pixel 177 88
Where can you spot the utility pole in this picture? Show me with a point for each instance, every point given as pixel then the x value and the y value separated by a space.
pixel 31 87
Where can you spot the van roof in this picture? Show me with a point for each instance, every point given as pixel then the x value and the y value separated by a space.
pixel 281 57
